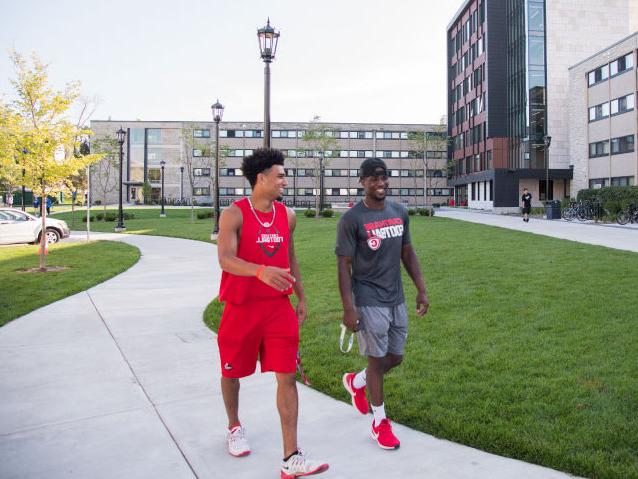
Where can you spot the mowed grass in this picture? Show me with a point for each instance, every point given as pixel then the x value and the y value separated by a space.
pixel 87 265
pixel 177 223
pixel 529 350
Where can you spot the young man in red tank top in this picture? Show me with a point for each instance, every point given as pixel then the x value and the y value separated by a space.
pixel 260 271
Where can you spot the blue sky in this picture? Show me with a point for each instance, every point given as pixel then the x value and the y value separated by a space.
pixel 346 61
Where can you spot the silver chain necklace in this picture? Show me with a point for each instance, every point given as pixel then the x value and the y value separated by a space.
pixel 266 224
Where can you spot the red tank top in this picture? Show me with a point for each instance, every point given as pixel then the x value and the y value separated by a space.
pixel 259 243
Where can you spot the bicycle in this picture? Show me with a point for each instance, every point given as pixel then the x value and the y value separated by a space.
pixel 629 214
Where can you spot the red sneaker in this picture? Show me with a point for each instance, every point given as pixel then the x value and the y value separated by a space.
pixel 384 436
pixel 358 395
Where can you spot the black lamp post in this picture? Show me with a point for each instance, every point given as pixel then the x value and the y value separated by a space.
pixel 121 136
pixel 321 182
pixel 162 214
pixel 218 112
pixel 268 39
pixel 181 184
pixel 548 141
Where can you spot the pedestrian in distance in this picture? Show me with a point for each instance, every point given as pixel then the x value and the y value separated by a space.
pixel 527 204
pixel 49 203
pixel 10 199
pixel 36 205
pixel 373 240
pixel 259 272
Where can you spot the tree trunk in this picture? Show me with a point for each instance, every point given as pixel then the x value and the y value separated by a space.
pixel 72 212
pixel 43 233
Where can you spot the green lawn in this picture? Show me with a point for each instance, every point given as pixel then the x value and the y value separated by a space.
pixel 88 264
pixel 529 349
pixel 177 223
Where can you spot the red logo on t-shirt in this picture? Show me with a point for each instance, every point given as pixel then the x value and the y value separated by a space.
pixel 374 243
pixel 269 240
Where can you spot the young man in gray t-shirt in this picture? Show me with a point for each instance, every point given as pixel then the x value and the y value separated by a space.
pixel 373 239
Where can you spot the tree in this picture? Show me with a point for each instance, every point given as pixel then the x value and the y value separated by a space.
pixel 10 170
pixel 104 174
pixel 426 144
pixel 37 131
pixel 196 153
pixel 318 139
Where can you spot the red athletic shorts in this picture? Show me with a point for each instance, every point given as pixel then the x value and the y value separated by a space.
pixel 268 329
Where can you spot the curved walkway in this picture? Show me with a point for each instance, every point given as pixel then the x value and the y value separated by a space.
pixel 122 381
pixel 609 235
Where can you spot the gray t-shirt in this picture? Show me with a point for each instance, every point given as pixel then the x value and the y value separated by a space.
pixel 374 240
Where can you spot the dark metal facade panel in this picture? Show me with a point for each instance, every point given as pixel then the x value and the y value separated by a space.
pixel 496 74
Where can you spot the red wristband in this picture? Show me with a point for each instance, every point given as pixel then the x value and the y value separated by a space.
pixel 259 271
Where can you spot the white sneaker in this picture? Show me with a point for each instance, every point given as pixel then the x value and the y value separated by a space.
pixel 300 465
pixel 237 443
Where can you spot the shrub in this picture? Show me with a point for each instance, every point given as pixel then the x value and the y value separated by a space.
pixel 613 198
pixel 310 213
pixel 327 213
pixel 411 211
pixel 201 215
pixel 423 212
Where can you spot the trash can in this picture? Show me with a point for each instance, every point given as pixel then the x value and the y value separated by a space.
pixel 552 210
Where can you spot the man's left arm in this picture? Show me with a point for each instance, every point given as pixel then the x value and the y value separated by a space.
pixel 294 270
pixel 411 264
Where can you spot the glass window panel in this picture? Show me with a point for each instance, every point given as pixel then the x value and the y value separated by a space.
pixel 154 136
pixel 136 136
pixel 536 50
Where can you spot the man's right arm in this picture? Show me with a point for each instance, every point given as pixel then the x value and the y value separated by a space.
pixel 230 223
pixel 344 268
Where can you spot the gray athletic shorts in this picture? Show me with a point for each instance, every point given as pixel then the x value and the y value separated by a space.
pixel 382 330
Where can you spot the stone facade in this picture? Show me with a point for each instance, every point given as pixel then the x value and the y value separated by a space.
pixel 575 30
pixel 583 132
pixel 149 142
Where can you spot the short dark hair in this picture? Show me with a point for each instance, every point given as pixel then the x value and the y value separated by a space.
pixel 261 160
pixel 370 167
pixel 525 188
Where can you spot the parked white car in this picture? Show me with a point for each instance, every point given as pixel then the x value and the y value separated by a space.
pixel 16 226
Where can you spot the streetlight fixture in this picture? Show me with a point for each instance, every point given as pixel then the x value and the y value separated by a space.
pixel 121 136
pixel 548 141
pixel 218 112
pixel 181 184
pixel 162 214
pixel 268 39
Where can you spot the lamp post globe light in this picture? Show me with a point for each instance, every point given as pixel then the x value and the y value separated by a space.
pixel 218 113
pixel 162 214
pixel 268 39
pixel 548 142
pixel 121 136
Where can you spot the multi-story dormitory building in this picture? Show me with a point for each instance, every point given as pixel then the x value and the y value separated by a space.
pixel 603 117
pixel 508 90
pixel 191 145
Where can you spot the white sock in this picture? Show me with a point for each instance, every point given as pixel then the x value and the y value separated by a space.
pixel 379 414
pixel 360 379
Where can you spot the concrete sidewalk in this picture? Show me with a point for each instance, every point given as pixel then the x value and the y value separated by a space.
pixel 611 236
pixel 122 381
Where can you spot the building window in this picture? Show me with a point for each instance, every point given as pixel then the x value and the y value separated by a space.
pixel 154 174
pixel 621 65
pixel 153 136
pixel 599 148
pixel 598 75
pixel 598 183
pixel 201 171
pixel 201 191
pixel 197 152
pixel 201 133
pixel 599 112
pixel 622 104
pixel 622 181
pixel 624 144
